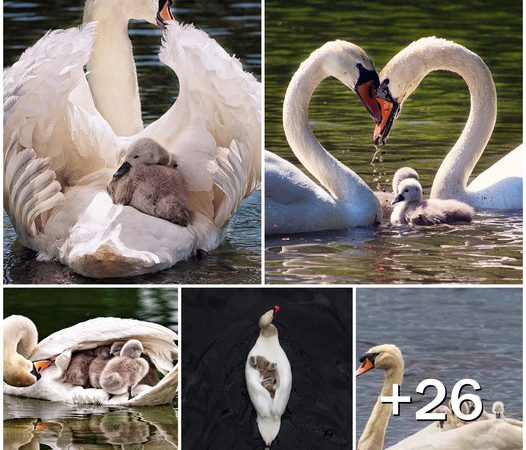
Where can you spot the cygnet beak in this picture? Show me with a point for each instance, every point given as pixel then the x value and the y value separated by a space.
pixel 122 170
pixel 398 198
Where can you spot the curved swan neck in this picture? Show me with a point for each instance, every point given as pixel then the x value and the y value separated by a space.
pixel 374 433
pixel 340 181
pixel 20 336
pixel 112 75
pixel 438 54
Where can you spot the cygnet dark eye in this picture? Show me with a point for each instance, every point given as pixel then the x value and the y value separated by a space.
pixel 407 190
pixel 136 156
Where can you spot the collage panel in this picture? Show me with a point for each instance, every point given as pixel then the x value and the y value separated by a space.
pixel 459 339
pixel 263 366
pixel 361 105
pixel 110 205
pixel 90 368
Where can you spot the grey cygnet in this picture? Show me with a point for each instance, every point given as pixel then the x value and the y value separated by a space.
pixel 102 356
pixel 149 181
pixel 77 372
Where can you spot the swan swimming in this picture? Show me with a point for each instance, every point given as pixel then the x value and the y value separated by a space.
pixel 386 198
pixel 269 408
pixel 293 202
pixel 484 434
pixel 411 209
pixel 497 188
pixel 56 350
pixel 60 152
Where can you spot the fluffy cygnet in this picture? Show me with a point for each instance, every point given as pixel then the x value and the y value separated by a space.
pixel 410 209
pixel 102 356
pixel 149 181
pixel 386 198
pixel 268 372
pixel 77 372
pixel 122 373
pixel 152 377
pixel 498 410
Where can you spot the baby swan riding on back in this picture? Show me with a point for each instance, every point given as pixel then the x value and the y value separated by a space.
pixel 149 181
pixel 410 209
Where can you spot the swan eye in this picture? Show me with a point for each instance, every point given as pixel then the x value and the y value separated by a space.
pixel 136 156
pixel 407 190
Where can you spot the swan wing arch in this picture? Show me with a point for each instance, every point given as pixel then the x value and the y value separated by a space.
pixel 281 398
pixel 259 396
pixel 159 342
pixel 213 128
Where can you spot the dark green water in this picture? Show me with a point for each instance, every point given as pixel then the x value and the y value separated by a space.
pixel 490 250
pixel 237 27
pixel 43 424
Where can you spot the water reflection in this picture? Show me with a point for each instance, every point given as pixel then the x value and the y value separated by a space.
pixel 433 118
pixel 28 423
pixel 237 27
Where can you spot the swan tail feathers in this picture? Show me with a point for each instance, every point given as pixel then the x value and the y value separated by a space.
pixel 30 188
pixel 269 428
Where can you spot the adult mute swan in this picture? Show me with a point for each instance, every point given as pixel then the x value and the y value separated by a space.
pixel 56 350
pixel 60 153
pixel 269 409
pixel 293 202
pixel 500 186
pixel 492 434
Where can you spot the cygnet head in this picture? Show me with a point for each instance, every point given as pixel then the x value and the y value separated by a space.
pixel 145 151
pixel 116 347
pixel 498 409
pixel 352 66
pixel 266 319
pixel 156 12
pixel 384 357
pixel 409 190
pixel 402 174
pixel 132 349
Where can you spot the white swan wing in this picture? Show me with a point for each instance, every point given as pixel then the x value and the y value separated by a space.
pixel 213 129
pixel 259 396
pixel 281 398
pixel 37 102
pixel 158 341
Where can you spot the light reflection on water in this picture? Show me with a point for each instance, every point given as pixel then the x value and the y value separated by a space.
pixel 237 27
pixel 490 250
pixel 447 334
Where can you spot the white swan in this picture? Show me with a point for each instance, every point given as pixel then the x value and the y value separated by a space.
pixel 293 202
pixel 269 410
pixel 59 153
pixel 386 198
pixel 488 434
pixel 158 342
pixel 500 186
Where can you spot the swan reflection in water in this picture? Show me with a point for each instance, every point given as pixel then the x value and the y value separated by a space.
pixel 28 423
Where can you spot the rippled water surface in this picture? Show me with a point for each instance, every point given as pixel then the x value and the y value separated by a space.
pixel 489 250
pixel 447 334
pixel 237 27
pixel 221 326
pixel 44 424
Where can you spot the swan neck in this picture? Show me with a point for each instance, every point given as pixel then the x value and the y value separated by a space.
pixel 452 176
pixel 373 435
pixel 112 76
pixel 20 337
pixel 269 331
pixel 339 180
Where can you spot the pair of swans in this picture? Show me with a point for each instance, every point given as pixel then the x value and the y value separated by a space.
pixel 294 203
pixel 22 352
pixel 65 133
pixel 494 434
pixel 269 409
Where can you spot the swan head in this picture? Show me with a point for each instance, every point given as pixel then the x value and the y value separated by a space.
pixel 352 66
pixel 385 357
pixel 156 12
pixel 400 77
pixel 145 151
pixel 116 347
pixel 20 340
pixel 265 321
pixel 132 349
pixel 409 190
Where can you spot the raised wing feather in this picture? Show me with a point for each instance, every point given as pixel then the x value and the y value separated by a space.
pixel 259 396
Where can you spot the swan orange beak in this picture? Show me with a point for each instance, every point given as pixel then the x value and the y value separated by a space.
pixel 367 365
pixel 367 94
pixel 41 365
pixel 164 14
